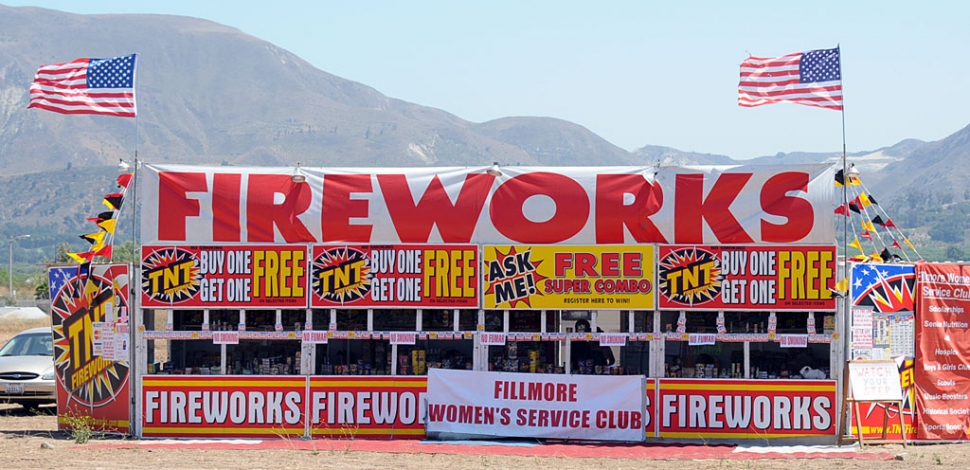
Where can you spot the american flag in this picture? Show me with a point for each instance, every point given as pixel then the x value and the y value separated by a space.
pixel 812 78
pixel 86 86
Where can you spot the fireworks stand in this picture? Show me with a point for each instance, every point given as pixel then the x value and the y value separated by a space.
pixel 272 306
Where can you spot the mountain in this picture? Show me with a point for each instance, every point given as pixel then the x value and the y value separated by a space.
pixel 210 94
pixel 942 163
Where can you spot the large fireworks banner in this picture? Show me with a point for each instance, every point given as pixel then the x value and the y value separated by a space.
pixel 569 277
pixel 224 276
pixel 745 409
pixel 791 277
pixel 883 327
pixel 730 205
pixel 405 276
pixel 219 406
pixel 89 315
pixel 943 351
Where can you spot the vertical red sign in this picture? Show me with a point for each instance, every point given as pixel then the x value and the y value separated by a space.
pixel 943 350
pixel 89 309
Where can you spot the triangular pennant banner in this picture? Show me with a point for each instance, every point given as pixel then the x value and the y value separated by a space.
pixel 90 288
pixel 843 285
pixel 108 225
pixel 906 241
pixel 114 200
pixel 104 252
pixel 866 235
pixel 82 257
pixel 864 200
pixel 839 178
pixel 854 208
pixel 93 238
pixel 102 216
pixel 896 245
pixel 124 180
pixel 878 221
pixel 855 244
pixel 889 222
pixel 99 245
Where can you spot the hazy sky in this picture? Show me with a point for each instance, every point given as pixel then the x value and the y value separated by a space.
pixel 634 72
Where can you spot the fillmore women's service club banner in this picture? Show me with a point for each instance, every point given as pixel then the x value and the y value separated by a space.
pixel 791 277
pixel 382 276
pixel 509 404
pixel 743 204
pixel 943 351
pixel 569 277
pixel 224 276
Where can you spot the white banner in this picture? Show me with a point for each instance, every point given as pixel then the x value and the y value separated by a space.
pixel 509 404
pixel 741 204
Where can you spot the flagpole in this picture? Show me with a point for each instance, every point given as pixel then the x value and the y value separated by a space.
pixel 134 282
pixel 846 297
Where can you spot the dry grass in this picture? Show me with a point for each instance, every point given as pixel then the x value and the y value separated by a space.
pixel 9 327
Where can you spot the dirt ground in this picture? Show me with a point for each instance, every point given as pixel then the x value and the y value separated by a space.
pixel 29 440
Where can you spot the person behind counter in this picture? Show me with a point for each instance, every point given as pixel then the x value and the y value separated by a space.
pixel 608 358
pixel 586 356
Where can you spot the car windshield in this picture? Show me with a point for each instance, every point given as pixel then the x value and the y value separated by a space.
pixel 36 344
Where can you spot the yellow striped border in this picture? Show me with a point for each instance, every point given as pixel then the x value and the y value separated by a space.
pixel 336 432
pixel 359 384
pixel 747 387
pixel 738 435
pixel 216 430
pixel 210 383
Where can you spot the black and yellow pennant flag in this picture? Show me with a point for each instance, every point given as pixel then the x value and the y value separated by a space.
pixel 113 200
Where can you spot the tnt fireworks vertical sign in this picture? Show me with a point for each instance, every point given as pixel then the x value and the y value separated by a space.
pixel 89 309
pixel 884 296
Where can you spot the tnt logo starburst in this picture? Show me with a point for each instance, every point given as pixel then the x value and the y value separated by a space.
pixel 342 275
pixel 690 276
pixel 81 302
pixel 171 276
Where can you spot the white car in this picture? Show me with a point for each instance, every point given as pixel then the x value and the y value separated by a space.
pixel 27 368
